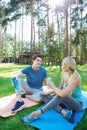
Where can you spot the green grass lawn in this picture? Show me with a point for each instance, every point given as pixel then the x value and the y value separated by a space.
pixel 7 71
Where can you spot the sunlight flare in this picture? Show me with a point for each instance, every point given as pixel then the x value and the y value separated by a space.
pixel 54 3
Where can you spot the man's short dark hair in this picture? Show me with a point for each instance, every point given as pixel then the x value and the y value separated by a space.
pixel 37 55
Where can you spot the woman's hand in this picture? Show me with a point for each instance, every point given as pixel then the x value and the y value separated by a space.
pixel 51 85
pixel 45 93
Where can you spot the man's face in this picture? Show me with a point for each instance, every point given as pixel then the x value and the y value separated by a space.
pixel 37 62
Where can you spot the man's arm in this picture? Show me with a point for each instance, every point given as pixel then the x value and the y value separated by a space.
pixel 46 81
pixel 48 89
pixel 19 75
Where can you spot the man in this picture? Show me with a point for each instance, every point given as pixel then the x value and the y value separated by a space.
pixel 36 75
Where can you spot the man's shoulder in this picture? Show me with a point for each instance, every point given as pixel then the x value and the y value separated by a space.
pixel 26 68
pixel 42 68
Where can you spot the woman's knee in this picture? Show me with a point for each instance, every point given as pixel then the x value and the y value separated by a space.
pixel 79 107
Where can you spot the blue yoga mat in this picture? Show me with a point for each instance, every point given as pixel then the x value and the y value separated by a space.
pixel 53 120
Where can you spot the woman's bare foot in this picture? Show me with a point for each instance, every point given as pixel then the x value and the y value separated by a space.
pixel 63 112
pixel 34 114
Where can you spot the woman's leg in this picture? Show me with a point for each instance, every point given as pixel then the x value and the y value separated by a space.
pixel 72 103
pixel 68 101
pixel 58 108
pixel 52 103
pixel 48 98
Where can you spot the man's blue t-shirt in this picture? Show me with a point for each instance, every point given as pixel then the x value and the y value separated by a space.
pixel 35 78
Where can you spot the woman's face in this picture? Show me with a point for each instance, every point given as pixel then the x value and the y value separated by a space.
pixel 64 67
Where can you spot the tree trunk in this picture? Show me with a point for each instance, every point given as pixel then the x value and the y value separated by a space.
pixel 48 36
pixel 19 37
pixel 77 54
pixel 34 35
pixel 81 38
pixel 58 44
pixel 81 49
pixel 58 28
pixel 15 42
pixel 38 28
pixel 31 41
pixel 66 37
pixel 0 46
pixel 22 33
pixel 70 49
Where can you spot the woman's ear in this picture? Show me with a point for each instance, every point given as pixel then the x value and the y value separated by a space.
pixel 71 69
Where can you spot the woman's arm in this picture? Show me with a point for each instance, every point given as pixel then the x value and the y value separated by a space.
pixel 63 92
pixel 73 84
pixel 61 84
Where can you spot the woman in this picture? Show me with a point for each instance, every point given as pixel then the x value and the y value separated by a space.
pixel 68 94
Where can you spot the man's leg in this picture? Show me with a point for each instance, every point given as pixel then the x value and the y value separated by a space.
pixel 20 84
pixel 31 93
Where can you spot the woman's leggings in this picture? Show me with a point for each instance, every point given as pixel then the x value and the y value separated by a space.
pixel 68 101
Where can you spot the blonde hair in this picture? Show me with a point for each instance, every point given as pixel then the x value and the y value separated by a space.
pixel 71 63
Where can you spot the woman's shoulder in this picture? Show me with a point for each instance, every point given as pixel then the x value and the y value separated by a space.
pixel 77 78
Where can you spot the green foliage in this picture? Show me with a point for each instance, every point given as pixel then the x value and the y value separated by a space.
pixel 37 10
pixel 41 22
